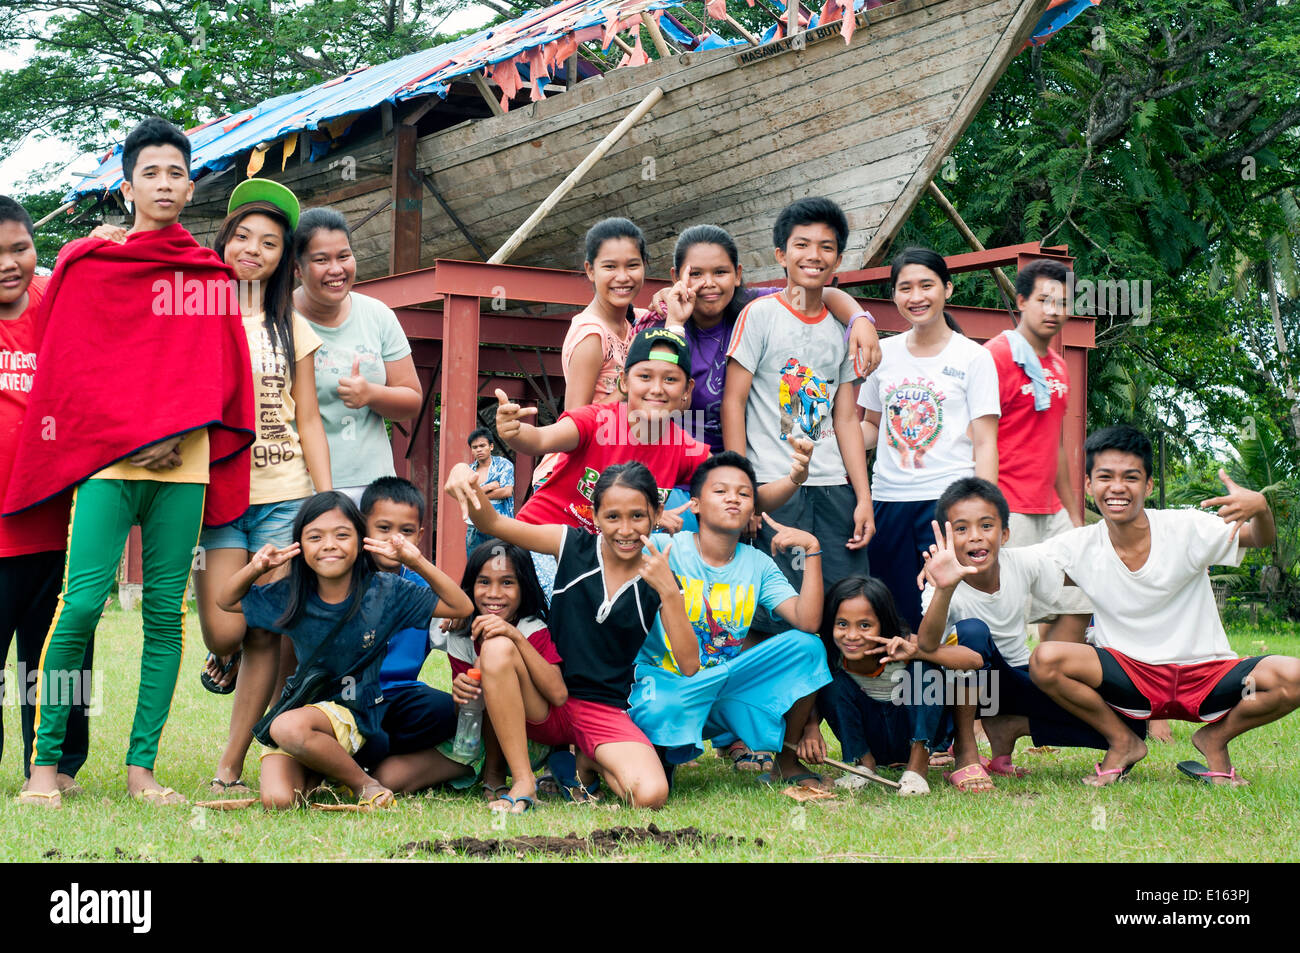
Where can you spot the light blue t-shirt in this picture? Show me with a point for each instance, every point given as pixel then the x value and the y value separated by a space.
pixel 359 449
pixel 720 600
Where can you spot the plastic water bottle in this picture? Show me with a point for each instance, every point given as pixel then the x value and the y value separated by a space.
pixel 469 725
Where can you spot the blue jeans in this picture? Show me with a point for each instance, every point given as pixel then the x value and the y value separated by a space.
pixel 473 538
pixel 884 729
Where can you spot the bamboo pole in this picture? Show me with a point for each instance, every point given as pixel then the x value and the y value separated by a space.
pixel 661 45
pixel 953 216
pixel 740 28
pixel 623 44
pixel 62 208
pixel 512 244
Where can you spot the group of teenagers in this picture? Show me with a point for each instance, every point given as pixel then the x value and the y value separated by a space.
pixel 704 554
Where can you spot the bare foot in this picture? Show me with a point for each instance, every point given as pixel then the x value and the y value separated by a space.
pixel 1160 731
pixel 1216 757
pixel 1117 763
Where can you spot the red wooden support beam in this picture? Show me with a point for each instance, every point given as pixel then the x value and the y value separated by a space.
pixel 459 401
pixel 404 249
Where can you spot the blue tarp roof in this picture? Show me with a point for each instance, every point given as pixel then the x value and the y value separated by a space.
pixel 216 144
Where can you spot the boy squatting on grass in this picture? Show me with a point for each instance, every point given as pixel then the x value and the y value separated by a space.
pixel 977 591
pixel 761 694
pixel 1160 651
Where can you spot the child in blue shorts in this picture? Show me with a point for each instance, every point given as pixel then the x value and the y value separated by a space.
pixel 764 694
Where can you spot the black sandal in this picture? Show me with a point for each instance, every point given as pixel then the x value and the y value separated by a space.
pixel 211 684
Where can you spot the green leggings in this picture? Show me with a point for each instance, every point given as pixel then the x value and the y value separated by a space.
pixel 103 512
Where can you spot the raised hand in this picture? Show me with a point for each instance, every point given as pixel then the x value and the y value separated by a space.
pixel 354 390
pixel 1239 505
pixel 788 538
pixel 942 567
pixel 671 520
pixel 271 557
pixel 799 460
pixel 462 486
pixel 679 300
pixel 901 648
pixel 508 414
pixel 396 547
pixel 655 569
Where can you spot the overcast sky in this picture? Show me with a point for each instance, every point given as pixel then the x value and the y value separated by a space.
pixel 35 153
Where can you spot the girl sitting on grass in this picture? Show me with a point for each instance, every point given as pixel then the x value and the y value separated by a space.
pixel 873 663
pixel 339 613
pixel 607 594
pixel 521 679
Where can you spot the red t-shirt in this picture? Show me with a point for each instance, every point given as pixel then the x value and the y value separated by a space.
pixel 45 527
pixel 1028 439
pixel 603 440
pixel 538 636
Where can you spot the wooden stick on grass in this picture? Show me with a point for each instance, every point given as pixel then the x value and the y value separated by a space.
pixel 855 769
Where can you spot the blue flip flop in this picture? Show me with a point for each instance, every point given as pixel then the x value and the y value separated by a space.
pixel 528 803
pixel 563 772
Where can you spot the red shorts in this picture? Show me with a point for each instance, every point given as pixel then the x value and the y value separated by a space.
pixel 1142 690
pixel 587 725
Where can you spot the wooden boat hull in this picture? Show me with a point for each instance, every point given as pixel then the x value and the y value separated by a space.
pixel 740 133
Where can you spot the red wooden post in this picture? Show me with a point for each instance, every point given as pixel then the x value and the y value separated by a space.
pixel 459 401
pixel 1075 424
pixel 404 250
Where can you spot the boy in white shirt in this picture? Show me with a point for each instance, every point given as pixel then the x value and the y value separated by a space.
pixel 1160 651
pixel 977 589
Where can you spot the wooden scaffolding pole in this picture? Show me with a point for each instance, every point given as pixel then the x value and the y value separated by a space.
pixel 512 244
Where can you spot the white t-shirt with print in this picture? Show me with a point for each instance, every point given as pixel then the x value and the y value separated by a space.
pixel 926 405
pixel 1020 573
pixel 1164 613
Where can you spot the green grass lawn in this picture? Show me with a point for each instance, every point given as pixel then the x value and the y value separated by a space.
pixel 1158 815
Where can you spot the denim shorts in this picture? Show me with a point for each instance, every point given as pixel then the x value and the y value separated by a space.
pixel 261 523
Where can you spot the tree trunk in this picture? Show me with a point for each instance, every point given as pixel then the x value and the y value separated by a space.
pixel 1284 354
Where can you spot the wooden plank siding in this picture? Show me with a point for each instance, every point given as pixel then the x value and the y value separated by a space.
pixel 867 124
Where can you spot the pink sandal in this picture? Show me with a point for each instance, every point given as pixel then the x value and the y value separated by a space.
pixel 1199 772
pixel 963 779
pixel 1002 765
pixel 1122 772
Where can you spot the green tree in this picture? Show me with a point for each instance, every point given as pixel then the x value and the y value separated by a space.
pixel 100 65
pixel 1150 136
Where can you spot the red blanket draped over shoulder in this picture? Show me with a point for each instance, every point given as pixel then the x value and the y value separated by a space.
pixel 142 341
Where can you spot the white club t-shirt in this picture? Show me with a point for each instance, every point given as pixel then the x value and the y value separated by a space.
pixel 1164 613
pixel 1020 573
pixel 926 405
